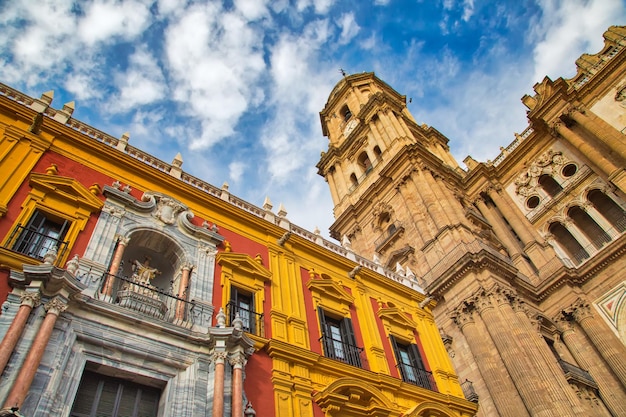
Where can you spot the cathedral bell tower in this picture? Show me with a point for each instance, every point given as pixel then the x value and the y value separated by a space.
pixel 393 182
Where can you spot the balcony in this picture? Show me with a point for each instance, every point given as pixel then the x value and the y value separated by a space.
pixel 341 351
pixel 394 231
pixel 417 376
pixel 34 244
pixel 252 321
pixel 468 391
pixel 147 300
pixel 575 374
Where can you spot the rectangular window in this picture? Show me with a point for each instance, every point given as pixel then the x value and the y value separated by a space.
pixel 410 364
pixel 338 339
pixel 41 234
pixel 100 395
pixel 243 303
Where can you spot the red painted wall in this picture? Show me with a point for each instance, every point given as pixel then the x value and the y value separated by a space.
pixel 311 315
pixel 258 386
pixel 393 371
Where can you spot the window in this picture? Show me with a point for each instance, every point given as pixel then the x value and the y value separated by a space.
pixel 570 245
pixel 365 162
pixel 345 113
pixel 549 185
pixel 41 234
pixel 242 303
pixel 338 339
pixel 100 395
pixel 410 364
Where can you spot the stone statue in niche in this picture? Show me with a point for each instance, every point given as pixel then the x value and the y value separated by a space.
pixel 143 273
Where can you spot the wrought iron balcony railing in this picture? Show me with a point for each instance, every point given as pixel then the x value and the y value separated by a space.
pixel 341 351
pixel 417 376
pixel 252 321
pixel 34 244
pixel 147 299
pixel 468 391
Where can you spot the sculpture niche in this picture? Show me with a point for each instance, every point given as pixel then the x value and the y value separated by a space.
pixel 139 294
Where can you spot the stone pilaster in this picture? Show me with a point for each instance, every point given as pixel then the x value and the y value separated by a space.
pixel 612 349
pixel 611 391
pixel 503 393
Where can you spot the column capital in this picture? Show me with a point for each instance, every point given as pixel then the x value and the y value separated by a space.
pixel 580 310
pixel 56 306
pixel 122 240
pixel 463 315
pixel 30 299
pixel 237 360
pixel 562 323
pixel 219 357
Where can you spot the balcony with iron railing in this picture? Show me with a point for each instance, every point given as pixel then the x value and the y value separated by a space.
pixel 468 391
pixel 417 376
pixel 147 300
pixel 341 351
pixel 574 373
pixel 252 321
pixel 34 244
pixel 392 232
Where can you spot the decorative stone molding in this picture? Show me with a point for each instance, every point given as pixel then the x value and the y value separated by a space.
pixel 549 162
pixel 219 356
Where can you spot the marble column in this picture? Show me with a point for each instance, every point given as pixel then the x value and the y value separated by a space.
pixel 27 372
pixel 238 361
pixel 503 393
pixel 29 300
pixel 218 387
pixel 107 288
pixel 182 292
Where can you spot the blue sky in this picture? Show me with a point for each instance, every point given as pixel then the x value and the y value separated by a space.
pixel 236 86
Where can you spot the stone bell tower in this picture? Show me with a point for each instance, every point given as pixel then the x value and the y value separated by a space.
pixel 394 183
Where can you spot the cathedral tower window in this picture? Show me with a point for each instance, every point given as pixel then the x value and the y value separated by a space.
pixel 549 185
pixel 377 152
pixel 568 243
pixel 364 162
pixel 345 113
pixel 353 180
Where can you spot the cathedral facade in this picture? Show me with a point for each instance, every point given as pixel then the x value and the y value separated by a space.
pixel 521 257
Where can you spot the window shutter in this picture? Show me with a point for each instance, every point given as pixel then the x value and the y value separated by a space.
pixel 347 334
pixel 416 358
pixel 396 353
pixel 328 348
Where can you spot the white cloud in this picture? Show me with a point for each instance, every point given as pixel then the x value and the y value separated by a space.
pixel 215 60
pixel 381 2
pixel 252 9
pixel 569 28
pixel 235 171
pixel 142 83
pixel 349 28
pixel 468 10
pixel 106 19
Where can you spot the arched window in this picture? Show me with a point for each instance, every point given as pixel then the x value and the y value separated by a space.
pixel 345 113
pixel 391 229
pixel 377 152
pixel 353 180
pixel 364 162
pixel 570 245
pixel 589 227
pixel 549 185
pixel 609 209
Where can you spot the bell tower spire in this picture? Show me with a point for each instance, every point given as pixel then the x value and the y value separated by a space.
pixel 382 169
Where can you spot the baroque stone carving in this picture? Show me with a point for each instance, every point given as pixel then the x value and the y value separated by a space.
pixel 549 162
